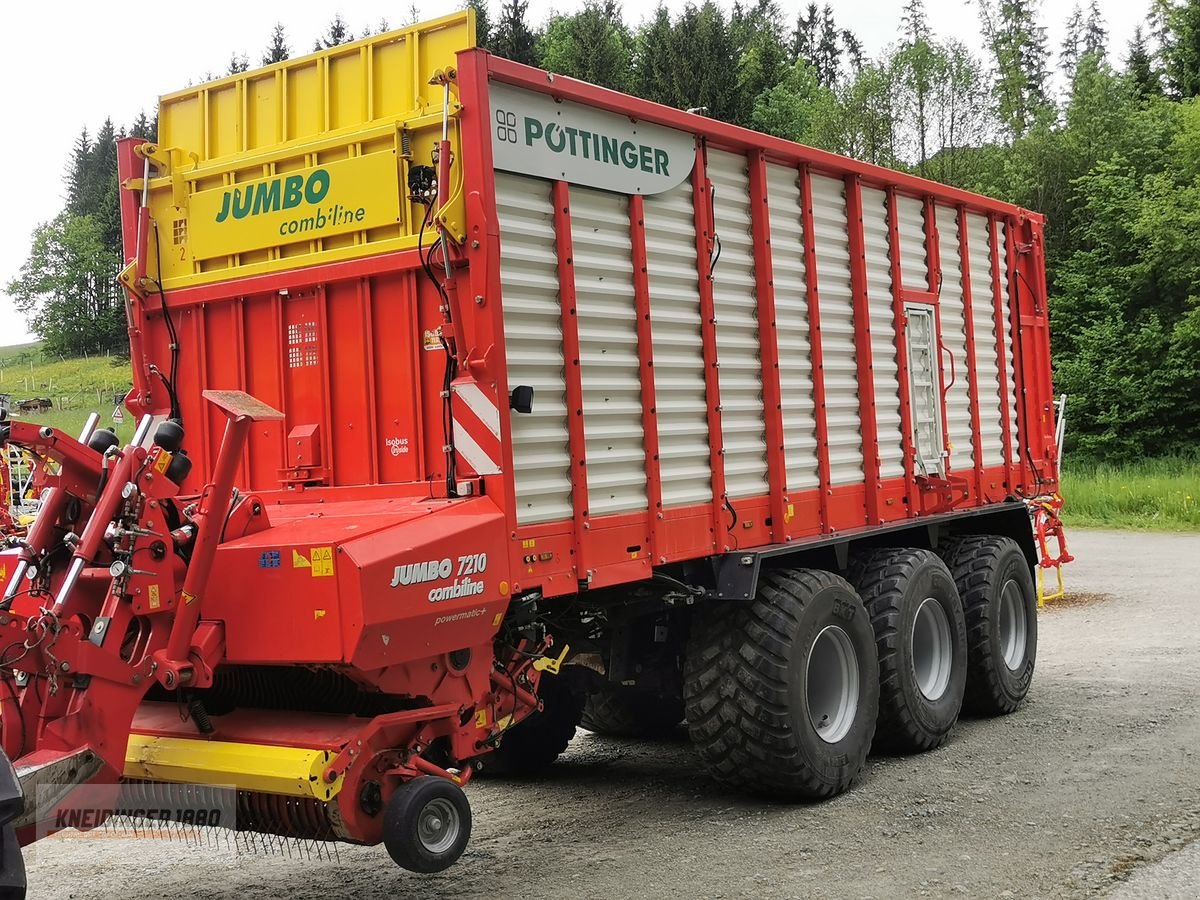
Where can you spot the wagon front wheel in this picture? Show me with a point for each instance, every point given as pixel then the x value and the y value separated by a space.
pixel 427 824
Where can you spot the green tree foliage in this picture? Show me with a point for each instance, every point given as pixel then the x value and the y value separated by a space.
pixel 512 37
pixel 336 33
pixel 483 22
pixel 1017 43
pixel 67 287
pixel 277 50
pixel 1179 27
pixel 593 45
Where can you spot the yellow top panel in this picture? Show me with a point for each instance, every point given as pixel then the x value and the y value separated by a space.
pixel 304 161
pixel 385 76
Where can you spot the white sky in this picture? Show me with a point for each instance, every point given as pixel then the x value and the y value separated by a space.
pixel 70 63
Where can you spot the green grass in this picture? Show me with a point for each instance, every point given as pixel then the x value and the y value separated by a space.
pixel 1156 494
pixel 76 387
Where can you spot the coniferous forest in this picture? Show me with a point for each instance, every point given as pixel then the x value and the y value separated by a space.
pixel 1104 140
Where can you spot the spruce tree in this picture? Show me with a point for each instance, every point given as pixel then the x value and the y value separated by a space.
pixel 1139 67
pixel 335 34
pixel 513 38
pixel 804 37
pixel 277 50
pixel 652 75
pixel 483 22
pixel 1072 45
pixel 1095 35
pixel 1018 46
pixel 593 45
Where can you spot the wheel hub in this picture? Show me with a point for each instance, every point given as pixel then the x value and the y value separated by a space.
pixel 932 649
pixel 1013 627
pixel 832 684
pixel 438 826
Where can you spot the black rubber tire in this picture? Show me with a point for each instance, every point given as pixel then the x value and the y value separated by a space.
pixel 982 566
pixel 534 744
pixel 624 712
pixel 893 584
pixel 401 819
pixel 746 687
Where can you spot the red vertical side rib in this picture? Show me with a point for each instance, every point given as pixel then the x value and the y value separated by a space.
pixel 641 297
pixel 561 196
pixel 816 351
pixel 764 286
pixel 868 424
pixel 1001 352
pixel 1015 331
pixel 964 260
pixel 899 335
pixel 702 203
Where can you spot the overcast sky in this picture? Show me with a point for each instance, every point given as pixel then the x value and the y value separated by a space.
pixel 70 64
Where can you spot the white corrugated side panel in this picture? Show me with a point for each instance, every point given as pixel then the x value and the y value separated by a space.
pixel 1008 342
pixel 987 369
pixel 836 299
pixel 883 334
pixel 954 339
pixel 679 390
pixel 533 345
pixel 743 434
pixel 791 325
pixel 913 263
pixel 608 352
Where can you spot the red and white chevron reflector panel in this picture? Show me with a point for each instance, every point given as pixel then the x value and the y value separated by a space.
pixel 476 417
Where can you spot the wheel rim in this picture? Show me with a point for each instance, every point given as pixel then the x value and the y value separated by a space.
pixel 832 684
pixel 932 653
pixel 1012 625
pixel 438 825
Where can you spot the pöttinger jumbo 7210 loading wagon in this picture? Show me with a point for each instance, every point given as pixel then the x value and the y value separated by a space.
pixel 472 396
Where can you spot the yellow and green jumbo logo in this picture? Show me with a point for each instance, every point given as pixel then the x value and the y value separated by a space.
pixel 314 203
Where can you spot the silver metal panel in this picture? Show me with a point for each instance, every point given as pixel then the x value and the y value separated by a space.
pixel 679 389
pixel 954 340
pixel 743 433
pixel 987 368
pixel 533 346
pixel 836 299
pixel 608 352
pixel 914 264
pixel 791 324
pixel 883 334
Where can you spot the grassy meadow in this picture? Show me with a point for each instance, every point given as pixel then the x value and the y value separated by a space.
pixel 1155 494
pixel 76 387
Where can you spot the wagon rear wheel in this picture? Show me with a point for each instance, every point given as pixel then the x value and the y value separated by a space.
pixel 781 692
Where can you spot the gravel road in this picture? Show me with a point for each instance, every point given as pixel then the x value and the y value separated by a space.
pixel 1091 783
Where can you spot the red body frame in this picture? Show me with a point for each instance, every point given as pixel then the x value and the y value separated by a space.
pixel 302 572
